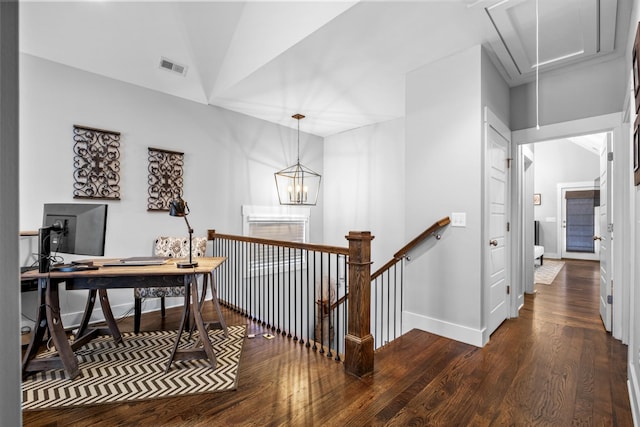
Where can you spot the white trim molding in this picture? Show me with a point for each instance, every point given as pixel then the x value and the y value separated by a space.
pixel 449 330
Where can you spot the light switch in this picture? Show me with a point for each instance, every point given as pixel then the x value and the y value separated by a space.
pixel 458 219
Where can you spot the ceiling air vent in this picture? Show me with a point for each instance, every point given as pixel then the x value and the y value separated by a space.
pixel 169 65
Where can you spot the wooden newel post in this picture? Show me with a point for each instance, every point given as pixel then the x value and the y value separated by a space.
pixel 359 341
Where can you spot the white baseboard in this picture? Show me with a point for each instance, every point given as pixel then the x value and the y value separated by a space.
pixel 634 393
pixel 446 329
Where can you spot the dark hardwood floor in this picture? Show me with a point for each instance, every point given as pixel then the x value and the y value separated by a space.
pixel 554 365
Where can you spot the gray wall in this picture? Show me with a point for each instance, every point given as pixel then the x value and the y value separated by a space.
pixel 582 91
pixel 495 92
pixel 443 175
pixel 364 179
pixel 559 161
pixel 10 396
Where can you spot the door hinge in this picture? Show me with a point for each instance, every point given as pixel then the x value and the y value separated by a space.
pixel 610 227
pixel 508 226
pixel 609 299
pixel 509 163
pixel 610 156
pixel 508 290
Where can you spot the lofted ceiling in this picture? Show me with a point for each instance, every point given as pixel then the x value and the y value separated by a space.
pixel 340 63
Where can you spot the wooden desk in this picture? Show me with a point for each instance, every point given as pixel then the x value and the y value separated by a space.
pixel 97 282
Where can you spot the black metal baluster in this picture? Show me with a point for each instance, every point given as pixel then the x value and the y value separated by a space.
pixel 289 293
pixel 375 314
pixel 246 280
pixel 273 294
pixel 321 308
pixel 315 305
pixel 337 310
pixel 306 304
pixel 267 288
pixel 236 272
pixel 329 334
pixel 278 290
pixel 395 300
pixel 345 308
pixel 401 292
pixel 295 295
pixel 388 304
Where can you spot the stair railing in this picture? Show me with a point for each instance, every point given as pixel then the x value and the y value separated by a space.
pixel 288 287
pixel 321 296
pixel 387 289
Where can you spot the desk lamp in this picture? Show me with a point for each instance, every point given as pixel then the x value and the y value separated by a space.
pixel 179 207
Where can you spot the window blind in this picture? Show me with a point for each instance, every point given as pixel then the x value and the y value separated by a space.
pixel 290 231
pixel 269 257
pixel 580 221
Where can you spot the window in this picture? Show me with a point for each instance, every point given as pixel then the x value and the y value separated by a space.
pixel 581 220
pixel 276 223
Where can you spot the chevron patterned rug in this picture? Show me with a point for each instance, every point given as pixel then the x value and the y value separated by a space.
pixel 134 371
pixel 547 272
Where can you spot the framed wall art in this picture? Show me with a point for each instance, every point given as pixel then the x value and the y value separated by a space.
pixel 96 163
pixel 636 68
pixel 636 151
pixel 165 178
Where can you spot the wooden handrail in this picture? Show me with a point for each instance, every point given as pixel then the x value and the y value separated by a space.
pixel 397 257
pixel 211 235
pixel 412 244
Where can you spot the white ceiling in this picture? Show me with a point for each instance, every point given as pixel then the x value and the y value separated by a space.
pixel 342 64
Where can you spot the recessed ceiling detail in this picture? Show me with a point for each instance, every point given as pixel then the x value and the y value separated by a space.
pixel 569 31
pixel 344 63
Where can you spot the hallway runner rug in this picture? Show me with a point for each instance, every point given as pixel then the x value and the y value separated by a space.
pixel 547 272
pixel 134 371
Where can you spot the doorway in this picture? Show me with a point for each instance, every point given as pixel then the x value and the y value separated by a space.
pixel 612 126
pixel 567 174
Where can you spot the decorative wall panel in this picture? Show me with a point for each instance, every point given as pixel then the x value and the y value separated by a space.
pixel 96 163
pixel 165 178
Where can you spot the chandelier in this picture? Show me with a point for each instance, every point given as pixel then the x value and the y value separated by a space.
pixel 297 184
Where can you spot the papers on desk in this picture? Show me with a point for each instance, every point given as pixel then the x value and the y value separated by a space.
pixel 136 260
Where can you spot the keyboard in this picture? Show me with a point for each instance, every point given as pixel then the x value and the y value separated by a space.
pixel 67 268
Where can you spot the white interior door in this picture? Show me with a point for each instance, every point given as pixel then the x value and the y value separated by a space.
pixel 497 244
pixel 604 238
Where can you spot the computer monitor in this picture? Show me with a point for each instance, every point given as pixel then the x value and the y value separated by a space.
pixel 82 227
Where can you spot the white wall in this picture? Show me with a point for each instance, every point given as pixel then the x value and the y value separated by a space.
pixel 558 161
pixel 229 161
pixel 10 370
pixel 364 179
pixel 444 175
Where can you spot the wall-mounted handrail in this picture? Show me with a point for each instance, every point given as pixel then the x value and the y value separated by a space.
pixel 431 231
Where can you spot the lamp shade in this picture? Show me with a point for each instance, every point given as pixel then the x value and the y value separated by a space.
pixel 297 184
pixel 178 207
